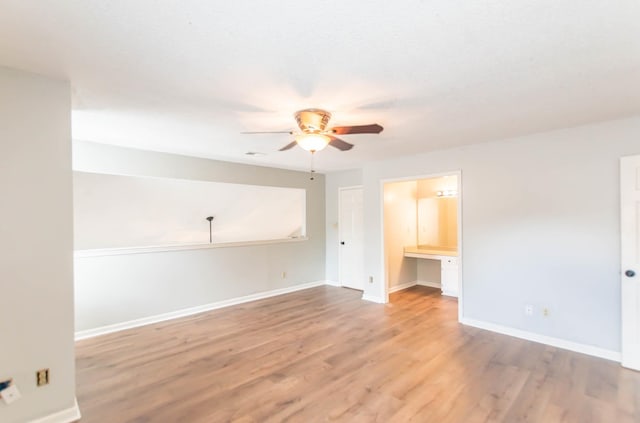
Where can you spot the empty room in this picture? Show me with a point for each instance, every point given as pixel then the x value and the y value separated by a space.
pixel 365 211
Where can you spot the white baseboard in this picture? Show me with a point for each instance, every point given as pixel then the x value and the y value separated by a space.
pixel 543 339
pixel 103 330
pixel 71 414
pixel 333 283
pixel 402 286
pixel 429 284
pixel 373 299
pixel 414 283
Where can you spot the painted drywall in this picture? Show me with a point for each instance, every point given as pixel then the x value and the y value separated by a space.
pixel 333 182
pixel 121 288
pixel 541 226
pixel 428 271
pixel 400 230
pixel 36 242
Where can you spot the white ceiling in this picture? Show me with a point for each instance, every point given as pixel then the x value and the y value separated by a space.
pixel 188 76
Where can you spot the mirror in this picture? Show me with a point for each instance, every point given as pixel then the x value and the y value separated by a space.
pixel 437 213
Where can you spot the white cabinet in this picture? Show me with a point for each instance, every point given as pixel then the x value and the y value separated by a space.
pixel 449 276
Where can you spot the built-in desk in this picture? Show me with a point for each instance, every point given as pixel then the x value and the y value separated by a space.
pixel 434 253
pixel 448 258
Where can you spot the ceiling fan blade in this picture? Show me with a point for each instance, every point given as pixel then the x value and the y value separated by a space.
pixel 267 132
pixel 374 128
pixel 340 144
pixel 288 146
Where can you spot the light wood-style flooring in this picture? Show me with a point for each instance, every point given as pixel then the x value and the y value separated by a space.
pixel 323 354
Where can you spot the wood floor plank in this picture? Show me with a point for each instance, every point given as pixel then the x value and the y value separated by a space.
pixel 323 354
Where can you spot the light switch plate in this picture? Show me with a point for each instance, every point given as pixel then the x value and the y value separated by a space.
pixel 10 394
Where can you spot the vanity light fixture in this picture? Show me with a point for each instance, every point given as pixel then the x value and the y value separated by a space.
pixel 448 193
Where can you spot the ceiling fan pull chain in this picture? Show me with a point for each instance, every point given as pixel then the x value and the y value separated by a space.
pixel 312 170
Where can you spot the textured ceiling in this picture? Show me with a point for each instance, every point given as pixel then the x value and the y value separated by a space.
pixel 188 76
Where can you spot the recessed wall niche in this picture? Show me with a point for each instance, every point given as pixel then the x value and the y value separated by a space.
pixel 117 211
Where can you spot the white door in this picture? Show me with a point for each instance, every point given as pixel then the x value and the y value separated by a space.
pixel 630 207
pixel 350 233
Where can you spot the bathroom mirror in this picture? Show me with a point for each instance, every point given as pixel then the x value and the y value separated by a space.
pixel 437 212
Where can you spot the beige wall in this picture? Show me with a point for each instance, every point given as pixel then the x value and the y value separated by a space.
pixel 399 231
pixel 36 244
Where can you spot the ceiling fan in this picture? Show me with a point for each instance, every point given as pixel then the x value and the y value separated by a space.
pixel 314 134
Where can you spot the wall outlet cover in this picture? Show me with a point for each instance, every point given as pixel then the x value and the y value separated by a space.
pixel 10 394
pixel 42 377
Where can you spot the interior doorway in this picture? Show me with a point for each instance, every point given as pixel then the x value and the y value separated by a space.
pixel 422 234
pixel 350 232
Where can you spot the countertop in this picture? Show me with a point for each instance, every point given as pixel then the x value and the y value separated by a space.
pixel 427 251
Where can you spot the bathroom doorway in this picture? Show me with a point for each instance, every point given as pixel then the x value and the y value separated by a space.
pixel 422 235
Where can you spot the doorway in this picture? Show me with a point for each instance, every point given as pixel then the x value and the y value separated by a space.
pixel 422 234
pixel 630 257
pixel 350 232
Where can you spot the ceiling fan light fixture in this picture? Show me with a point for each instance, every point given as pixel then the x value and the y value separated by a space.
pixel 312 142
pixel 314 135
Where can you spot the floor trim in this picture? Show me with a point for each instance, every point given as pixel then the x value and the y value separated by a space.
pixel 547 340
pixel 414 283
pixel 429 284
pixel 71 414
pixel 333 283
pixel 373 299
pixel 103 330
pixel 402 286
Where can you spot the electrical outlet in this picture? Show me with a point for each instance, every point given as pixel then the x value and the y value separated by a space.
pixel 284 275
pixel 370 279
pixel 528 310
pixel 42 377
pixel 545 312
pixel 10 394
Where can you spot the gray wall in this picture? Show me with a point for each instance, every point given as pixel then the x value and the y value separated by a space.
pixel 120 288
pixel 541 226
pixel 36 299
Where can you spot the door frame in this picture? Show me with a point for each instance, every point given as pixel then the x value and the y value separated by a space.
pixel 458 173
pixel 340 189
pixel 629 308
